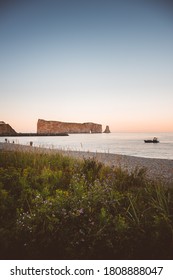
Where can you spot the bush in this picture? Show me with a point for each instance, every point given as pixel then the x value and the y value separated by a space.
pixel 55 207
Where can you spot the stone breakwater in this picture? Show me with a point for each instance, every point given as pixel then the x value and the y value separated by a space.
pixel 48 127
pixel 161 169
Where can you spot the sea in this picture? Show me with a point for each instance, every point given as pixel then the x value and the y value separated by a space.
pixel 131 144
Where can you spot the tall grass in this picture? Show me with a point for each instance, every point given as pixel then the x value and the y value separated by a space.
pixel 56 207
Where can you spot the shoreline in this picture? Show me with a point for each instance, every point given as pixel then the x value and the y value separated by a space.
pixel 161 169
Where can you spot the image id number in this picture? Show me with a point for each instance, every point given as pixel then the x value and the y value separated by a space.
pixel 133 270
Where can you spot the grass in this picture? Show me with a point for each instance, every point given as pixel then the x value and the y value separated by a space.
pixel 57 207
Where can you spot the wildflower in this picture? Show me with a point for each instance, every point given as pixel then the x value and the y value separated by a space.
pixel 81 211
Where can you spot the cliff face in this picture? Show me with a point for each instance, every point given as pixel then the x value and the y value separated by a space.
pixel 6 129
pixel 50 127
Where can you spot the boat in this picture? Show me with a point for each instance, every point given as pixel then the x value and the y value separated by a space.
pixel 154 140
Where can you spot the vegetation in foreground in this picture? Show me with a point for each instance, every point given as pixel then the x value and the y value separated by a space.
pixel 55 207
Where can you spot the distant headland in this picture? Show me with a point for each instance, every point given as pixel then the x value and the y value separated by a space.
pixel 6 129
pixel 44 126
pixel 55 128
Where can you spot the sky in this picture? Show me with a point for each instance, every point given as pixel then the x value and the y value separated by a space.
pixel 103 61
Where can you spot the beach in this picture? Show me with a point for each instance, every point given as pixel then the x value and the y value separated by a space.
pixel 157 169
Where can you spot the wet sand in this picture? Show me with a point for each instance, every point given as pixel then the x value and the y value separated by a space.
pixel 155 168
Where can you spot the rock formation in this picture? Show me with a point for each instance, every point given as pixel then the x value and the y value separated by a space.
pixel 52 127
pixel 107 130
pixel 6 129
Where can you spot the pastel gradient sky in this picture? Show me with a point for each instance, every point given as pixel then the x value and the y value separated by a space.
pixel 104 61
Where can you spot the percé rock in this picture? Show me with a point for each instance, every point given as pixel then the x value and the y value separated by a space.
pixel 107 130
pixel 51 127
pixel 6 129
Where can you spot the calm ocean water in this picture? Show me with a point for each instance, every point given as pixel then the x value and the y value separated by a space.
pixel 118 143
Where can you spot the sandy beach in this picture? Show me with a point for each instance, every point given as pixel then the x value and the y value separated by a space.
pixel 155 168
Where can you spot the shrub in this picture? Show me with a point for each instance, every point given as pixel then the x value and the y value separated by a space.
pixel 55 207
